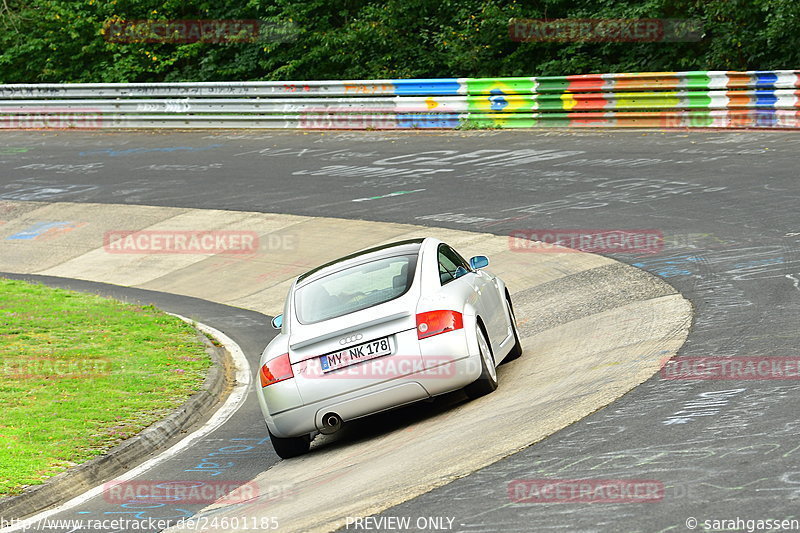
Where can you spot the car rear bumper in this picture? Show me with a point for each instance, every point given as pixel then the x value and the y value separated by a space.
pixel 440 374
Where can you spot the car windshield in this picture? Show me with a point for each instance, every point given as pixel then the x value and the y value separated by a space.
pixel 355 288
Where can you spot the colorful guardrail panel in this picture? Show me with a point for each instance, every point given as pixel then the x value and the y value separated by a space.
pixel 709 99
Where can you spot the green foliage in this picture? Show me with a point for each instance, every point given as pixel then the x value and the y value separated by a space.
pixel 63 40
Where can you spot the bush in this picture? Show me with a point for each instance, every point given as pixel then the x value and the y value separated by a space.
pixel 63 41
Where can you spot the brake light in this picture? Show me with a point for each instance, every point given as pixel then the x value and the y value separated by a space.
pixel 276 370
pixel 436 322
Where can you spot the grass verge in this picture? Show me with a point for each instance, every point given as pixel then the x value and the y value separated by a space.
pixel 80 373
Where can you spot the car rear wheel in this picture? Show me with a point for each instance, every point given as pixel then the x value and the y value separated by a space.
pixel 516 351
pixel 287 448
pixel 487 382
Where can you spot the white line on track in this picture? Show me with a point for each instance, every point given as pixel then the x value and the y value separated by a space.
pixel 391 194
pixel 232 404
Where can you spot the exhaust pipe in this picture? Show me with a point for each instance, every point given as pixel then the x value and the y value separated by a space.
pixel 331 423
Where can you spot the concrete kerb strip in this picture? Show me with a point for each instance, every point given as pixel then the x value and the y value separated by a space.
pixel 592 349
pixel 122 457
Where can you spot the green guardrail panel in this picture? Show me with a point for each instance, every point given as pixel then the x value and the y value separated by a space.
pixel 491 86
pixel 552 84
pixel 696 80
pixel 493 103
pixel 697 100
pixel 645 100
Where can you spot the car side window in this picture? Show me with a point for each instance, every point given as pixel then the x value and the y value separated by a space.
pixel 451 265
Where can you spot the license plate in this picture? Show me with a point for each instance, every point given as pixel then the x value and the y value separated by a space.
pixel 356 354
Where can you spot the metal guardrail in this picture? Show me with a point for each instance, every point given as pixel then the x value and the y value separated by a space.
pixel 756 99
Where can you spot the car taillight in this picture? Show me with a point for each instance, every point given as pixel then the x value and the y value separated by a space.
pixel 276 370
pixel 436 322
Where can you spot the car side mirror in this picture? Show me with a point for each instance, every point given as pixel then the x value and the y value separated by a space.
pixel 277 322
pixel 479 261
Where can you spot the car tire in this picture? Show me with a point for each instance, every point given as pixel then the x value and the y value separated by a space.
pixel 286 448
pixel 487 381
pixel 516 351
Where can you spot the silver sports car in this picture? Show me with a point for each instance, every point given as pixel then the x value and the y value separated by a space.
pixel 378 329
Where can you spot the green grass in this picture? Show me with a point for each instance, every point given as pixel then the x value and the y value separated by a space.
pixel 80 373
pixel 468 124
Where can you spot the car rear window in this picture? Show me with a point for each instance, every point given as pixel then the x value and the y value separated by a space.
pixel 355 288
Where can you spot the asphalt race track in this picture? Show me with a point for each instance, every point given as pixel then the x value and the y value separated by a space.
pixel 726 203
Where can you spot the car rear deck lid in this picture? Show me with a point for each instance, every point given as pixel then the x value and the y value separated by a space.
pixel 344 331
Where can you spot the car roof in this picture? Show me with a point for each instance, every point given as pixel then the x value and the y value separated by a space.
pixel 408 246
